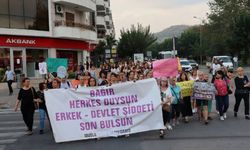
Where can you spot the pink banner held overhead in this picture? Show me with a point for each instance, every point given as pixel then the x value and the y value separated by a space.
pixel 165 68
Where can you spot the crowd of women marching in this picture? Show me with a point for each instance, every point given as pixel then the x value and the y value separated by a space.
pixel 175 107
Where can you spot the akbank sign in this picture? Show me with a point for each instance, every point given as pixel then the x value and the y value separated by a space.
pixel 20 41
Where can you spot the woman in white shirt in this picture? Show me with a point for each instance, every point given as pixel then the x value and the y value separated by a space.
pixel 166 97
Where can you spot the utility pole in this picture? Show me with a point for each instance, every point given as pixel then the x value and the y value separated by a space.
pixel 174 50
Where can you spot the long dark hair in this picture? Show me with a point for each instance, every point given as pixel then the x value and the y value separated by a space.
pixel 186 77
pixel 25 79
pixel 90 79
pixel 41 86
pixel 220 72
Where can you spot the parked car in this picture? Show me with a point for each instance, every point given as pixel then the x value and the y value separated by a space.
pixel 193 63
pixel 226 61
pixel 186 65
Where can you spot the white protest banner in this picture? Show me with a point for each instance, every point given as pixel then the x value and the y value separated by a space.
pixel 111 111
pixel 43 68
pixel 138 57
pixel 204 91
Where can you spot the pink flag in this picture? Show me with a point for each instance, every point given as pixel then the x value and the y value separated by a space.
pixel 165 68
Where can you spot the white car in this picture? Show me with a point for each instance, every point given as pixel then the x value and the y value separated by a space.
pixel 226 61
pixel 186 65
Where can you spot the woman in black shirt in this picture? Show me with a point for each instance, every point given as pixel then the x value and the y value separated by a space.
pixel 241 92
pixel 26 97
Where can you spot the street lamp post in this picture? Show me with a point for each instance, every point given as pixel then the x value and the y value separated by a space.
pixel 200 51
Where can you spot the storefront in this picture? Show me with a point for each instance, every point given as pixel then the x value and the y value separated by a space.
pixel 23 54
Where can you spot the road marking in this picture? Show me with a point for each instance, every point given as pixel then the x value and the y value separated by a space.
pixel 2 147
pixel 14 128
pixel 7 141
pixel 12 134
pixel 15 122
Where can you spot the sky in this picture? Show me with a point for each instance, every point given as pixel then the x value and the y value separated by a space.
pixel 159 14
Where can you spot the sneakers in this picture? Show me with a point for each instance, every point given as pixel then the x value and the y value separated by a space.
pixel 127 135
pixel 177 122
pixel 222 118
pixel 225 116
pixel 169 127
pixel 162 134
pixel 206 122
pixel 29 132
pixel 210 118
pixel 235 114
pixel 41 132
pixel 247 117
pixel 186 120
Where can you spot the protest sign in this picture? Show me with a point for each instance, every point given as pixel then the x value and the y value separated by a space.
pixel 43 68
pixel 186 88
pixel 204 90
pixel 58 65
pixel 165 68
pixel 138 57
pixel 110 111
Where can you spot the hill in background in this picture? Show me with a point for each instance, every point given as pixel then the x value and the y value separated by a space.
pixel 176 31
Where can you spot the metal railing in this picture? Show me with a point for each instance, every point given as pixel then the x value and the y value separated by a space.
pixel 74 24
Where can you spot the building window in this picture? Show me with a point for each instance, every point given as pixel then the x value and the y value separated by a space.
pixel 4 60
pixel 33 58
pixel 70 19
pixel 24 14
pixel 71 56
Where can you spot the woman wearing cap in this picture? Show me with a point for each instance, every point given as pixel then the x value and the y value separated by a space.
pixel 166 97
pixel 241 92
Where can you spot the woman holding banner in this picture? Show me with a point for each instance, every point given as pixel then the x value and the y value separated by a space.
pixel 202 104
pixel 92 82
pixel 166 97
pixel 186 108
pixel 210 103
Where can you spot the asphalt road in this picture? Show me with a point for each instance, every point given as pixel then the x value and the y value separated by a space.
pixel 231 134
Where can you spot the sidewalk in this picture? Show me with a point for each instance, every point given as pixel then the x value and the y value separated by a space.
pixel 6 101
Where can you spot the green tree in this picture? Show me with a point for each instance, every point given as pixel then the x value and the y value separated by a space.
pixel 222 25
pixel 135 40
pixel 241 36
pixel 98 54
pixel 190 43
pixel 110 41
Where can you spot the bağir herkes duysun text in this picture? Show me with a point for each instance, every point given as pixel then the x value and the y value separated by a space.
pixel 114 111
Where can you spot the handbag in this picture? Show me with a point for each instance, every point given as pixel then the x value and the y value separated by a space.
pixel 165 106
pixel 36 104
pixel 228 88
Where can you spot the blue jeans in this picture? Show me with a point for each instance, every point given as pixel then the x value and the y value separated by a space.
pixel 42 114
pixel 223 104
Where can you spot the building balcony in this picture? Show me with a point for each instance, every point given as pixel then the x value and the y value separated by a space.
pixel 107 18
pixel 100 20
pixel 100 2
pixel 87 5
pixel 72 30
